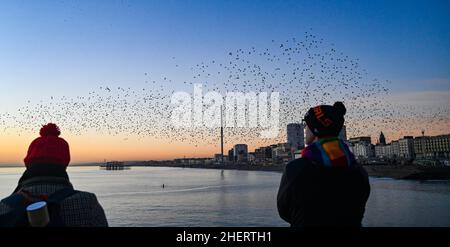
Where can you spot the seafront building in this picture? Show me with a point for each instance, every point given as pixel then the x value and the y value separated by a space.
pixel 296 136
pixel 263 154
pixel 362 147
pixel 360 139
pixel 231 155
pixel 282 152
pixel 406 148
pixel 383 151
pixel 362 150
pixel 432 147
pixel 240 153
pixel 395 145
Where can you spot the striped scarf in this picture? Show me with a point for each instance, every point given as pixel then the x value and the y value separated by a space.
pixel 331 152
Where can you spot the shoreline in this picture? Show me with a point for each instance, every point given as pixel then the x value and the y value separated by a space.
pixel 405 172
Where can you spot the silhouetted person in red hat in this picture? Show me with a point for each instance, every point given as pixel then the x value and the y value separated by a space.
pixel 326 186
pixel 45 186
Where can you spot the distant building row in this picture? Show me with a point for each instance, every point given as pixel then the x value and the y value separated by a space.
pixel 408 147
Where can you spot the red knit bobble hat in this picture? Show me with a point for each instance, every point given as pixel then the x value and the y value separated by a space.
pixel 48 148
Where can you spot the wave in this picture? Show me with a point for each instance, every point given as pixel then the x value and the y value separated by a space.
pixel 165 190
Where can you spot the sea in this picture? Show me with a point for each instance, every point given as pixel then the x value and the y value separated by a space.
pixel 211 197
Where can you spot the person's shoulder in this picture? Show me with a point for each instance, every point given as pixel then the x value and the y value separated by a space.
pixel 297 165
pixel 298 162
pixel 83 209
pixel 360 170
pixel 82 200
pixel 84 196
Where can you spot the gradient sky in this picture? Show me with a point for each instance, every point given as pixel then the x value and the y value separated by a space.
pixel 72 47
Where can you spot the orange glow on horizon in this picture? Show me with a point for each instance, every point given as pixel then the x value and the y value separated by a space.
pixel 92 147
pixel 97 148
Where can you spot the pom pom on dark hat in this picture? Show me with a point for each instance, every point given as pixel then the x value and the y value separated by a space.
pixel 49 148
pixel 340 108
pixel 326 120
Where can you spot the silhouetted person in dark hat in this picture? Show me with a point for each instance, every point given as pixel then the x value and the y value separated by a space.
pixel 44 195
pixel 326 186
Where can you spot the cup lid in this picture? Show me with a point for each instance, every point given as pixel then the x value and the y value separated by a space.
pixel 36 205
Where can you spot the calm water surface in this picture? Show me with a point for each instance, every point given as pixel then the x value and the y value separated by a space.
pixel 204 197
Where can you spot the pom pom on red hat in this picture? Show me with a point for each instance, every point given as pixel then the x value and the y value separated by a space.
pixel 50 129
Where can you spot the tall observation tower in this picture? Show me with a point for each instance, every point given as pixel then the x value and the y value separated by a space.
pixel 221 134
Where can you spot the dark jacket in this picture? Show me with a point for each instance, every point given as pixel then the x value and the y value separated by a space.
pixel 313 195
pixel 79 209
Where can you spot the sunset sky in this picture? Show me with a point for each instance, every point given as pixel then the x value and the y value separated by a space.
pixel 70 48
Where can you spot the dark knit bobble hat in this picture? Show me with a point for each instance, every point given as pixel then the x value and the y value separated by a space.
pixel 326 120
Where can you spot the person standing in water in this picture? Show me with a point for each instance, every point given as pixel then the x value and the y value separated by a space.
pixel 326 186
pixel 45 181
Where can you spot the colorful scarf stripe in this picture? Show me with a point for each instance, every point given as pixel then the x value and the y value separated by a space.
pixel 331 152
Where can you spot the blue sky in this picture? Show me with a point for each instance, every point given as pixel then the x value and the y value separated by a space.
pixel 399 40
pixel 72 47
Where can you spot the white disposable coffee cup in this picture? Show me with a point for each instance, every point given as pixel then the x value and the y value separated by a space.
pixel 38 214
